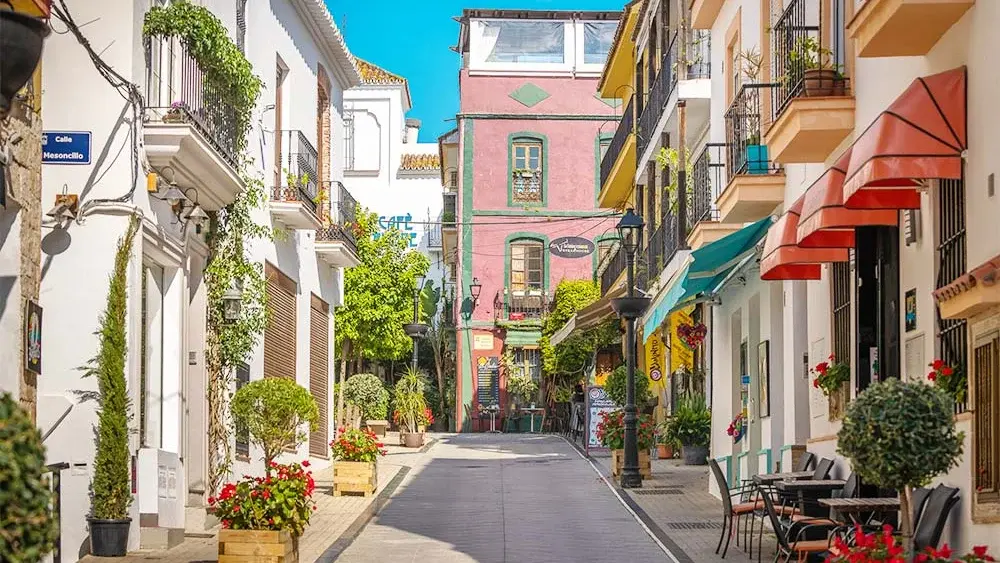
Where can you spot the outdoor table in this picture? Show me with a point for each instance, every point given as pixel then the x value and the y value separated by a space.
pixel 813 488
pixel 532 411
pixel 771 478
pixel 848 506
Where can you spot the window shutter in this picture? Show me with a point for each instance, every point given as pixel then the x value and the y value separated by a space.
pixel 279 336
pixel 242 434
pixel 987 386
pixel 319 371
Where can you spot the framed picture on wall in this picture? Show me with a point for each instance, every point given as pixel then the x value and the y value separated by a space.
pixel 764 369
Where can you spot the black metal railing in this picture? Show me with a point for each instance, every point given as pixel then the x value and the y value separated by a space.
pixel 343 215
pixel 656 98
pixel 653 261
pixel 952 334
pixel 520 304
pixel 450 209
pixel 298 170
pixel 55 484
pixel 805 62
pixel 433 234
pixel 699 54
pixel 745 151
pixel 526 186
pixel 177 92
pixel 615 267
pixel 625 128
pixel 706 182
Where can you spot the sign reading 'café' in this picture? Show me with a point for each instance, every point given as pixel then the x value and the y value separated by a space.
pixel 571 247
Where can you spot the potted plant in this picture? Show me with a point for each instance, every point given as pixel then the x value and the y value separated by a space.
pixel 611 434
pixel 410 404
pixel 368 393
pixel 665 444
pixel 176 113
pixel 900 436
pixel 29 529
pixel 522 388
pixel 111 486
pixel 272 411
pixel 820 76
pixel 355 468
pixel 949 380
pixel 615 384
pixel 830 375
pixel 885 546
pixel 691 426
pixel 265 516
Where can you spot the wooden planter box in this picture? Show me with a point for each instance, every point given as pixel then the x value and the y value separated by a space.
pixel 618 461
pixel 354 477
pixel 257 546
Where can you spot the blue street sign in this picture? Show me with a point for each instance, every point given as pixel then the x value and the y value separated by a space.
pixel 66 147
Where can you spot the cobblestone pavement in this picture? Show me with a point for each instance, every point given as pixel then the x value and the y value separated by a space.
pixel 494 498
pixel 681 510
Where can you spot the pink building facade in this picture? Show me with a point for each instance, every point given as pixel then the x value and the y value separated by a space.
pixel 530 136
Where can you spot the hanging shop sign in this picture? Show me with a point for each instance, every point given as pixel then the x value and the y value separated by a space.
pixel 571 247
pixel 656 363
pixel 681 355
pixel 66 147
pixel 33 338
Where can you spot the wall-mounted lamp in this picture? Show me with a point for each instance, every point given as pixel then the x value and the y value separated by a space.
pixel 65 208
pixel 195 214
pixel 232 302
pixel 475 289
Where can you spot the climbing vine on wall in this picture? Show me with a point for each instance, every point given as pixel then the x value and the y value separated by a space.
pixel 228 73
pixel 230 342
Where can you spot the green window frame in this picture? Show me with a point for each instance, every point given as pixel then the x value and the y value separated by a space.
pixel 527 169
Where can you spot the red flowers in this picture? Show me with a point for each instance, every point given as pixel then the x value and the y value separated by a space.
pixel 885 547
pixel 948 379
pixel 357 445
pixel 252 503
pixel 830 376
pixel 611 430
pixel 692 335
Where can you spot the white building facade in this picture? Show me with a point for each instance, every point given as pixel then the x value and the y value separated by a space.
pixel 139 144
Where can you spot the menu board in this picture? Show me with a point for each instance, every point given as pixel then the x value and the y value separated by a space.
pixel 597 402
pixel 488 379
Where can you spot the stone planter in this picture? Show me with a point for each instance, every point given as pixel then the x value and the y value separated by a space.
pixel 260 546
pixel 695 455
pixel 378 427
pixel 413 439
pixel 354 477
pixel 618 462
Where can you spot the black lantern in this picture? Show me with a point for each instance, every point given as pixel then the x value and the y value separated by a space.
pixel 630 230
pixel 21 38
pixel 475 288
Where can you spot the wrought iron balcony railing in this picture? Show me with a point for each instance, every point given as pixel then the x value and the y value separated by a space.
pixel 343 218
pixel 176 92
pixel 745 151
pixel 707 176
pixel 520 304
pixel 625 128
pixel 449 210
pixel 433 234
pixel 615 267
pixel 298 170
pixel 699 54
pixel 526 186
pixel 656 98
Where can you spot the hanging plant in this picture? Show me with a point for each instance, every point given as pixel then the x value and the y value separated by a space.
pixel 692 335
pixel 737 428
pixel 227 71
pixel 831 375
pixel 952 381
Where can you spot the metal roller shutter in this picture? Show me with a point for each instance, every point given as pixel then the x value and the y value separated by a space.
pixel 319 370
pixel 279 336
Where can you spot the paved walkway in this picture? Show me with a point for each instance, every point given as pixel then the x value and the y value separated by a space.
pixel 492 498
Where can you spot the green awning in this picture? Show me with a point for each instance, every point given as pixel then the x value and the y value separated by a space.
pixel 707 269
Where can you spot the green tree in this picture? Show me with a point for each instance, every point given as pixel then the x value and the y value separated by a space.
pixel 900 436
pixel 111 485
pixel 367 391
pixel 440 336
pixel 378 296
pixel 273 410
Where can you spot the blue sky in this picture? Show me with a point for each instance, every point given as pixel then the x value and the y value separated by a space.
pixel 412 38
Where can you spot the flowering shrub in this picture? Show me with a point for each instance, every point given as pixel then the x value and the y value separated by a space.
pixel 356 445
pixel 947 378
pixel 611 430
pixel 282 500
pixel 736 428
pixel 428 417
pixel 885 547
pixel 692 334
pixel 830 375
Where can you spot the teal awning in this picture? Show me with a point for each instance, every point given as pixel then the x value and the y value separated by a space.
pixel 707 269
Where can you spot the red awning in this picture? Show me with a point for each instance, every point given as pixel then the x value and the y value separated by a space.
pixel 921 136
pixel 825 222
pixel 784 259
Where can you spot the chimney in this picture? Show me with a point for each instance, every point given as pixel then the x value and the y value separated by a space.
pixel 412 130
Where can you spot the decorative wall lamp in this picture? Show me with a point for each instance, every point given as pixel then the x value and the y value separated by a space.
pixel 21 39
pixel 475 289
pixel 177 198
pixel 232 302
pixel 65 209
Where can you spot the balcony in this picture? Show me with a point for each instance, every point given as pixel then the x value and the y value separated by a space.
pixel 434 236
pixel 755 185
pixel 294 202
pixel 189 128
pixel 526 187
pixel 335 242
pixel 613 269
pixel 449 229
pixel 618 163
pixel 707 180
pixel 812 104
pixel 656 98
pixel 704 12
pixel 516 305
pixel 903 28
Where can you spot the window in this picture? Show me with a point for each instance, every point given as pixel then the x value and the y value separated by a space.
pixel 526 171
pixel 840 288
pixel 604 144
pixel 524 41
pixel 952 334
pixel 986 427
pixel 349 142
pixel 597 40
pixel 530 361
pixel 526 267
pixel 242 433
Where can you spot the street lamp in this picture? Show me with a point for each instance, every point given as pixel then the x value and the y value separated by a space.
pixel 416 330
pixel 475 289
pixel 630 308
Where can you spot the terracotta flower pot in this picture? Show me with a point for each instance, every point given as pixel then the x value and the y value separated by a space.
pixel 820 82
pixel 664 451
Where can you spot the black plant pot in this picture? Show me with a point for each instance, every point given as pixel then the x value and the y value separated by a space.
pixel 21 38
pixel 109 538
pixel 695 455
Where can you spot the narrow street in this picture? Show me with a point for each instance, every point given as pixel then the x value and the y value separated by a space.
pixel 492 498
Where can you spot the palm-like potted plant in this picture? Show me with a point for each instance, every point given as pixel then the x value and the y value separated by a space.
pixel 410 405
pixel 691 426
